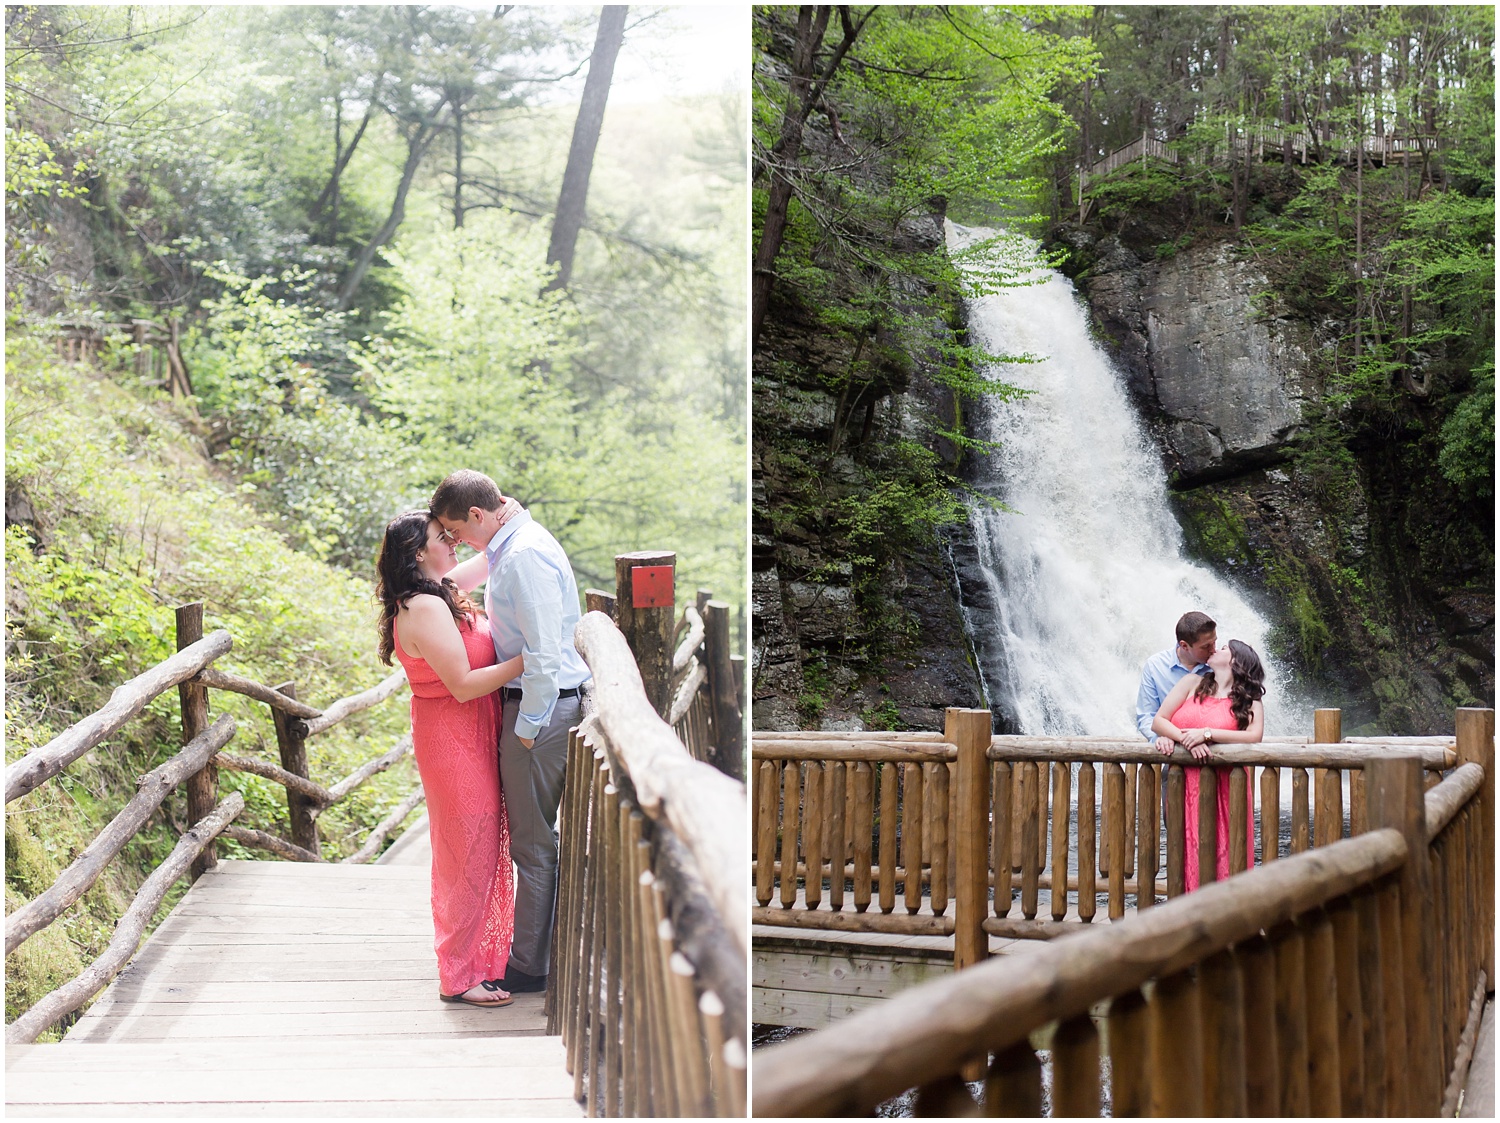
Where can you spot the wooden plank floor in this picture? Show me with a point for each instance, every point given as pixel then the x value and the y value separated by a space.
pixel 277 988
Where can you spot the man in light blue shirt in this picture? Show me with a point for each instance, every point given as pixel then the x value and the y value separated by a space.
pixel 1196 637
pixel 531 599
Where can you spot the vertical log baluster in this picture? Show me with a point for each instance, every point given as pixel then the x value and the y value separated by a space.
pixel 1013 1085
pixel 1132 828
pixel 814 824
pixel 1291 1019
pixel 937 832
pixel 1239 821
pixel 864 837
pixel 1002 802
pixel 1324 1074
pixel 890 829
pixel 1270 814
pixel 765 845
pixel 1075 1063
pixel 1257 961
pixel 1176 1047
pixel 912 795
pixel 1146 836
pixel 1062 776
pixel 1128 1036
pixel 1088 886
pixel 1350 1006
pixel 1176 831
pixel 1114 825
pixel 1208 825
pixel 1300 815
pixel 1030 859
pixel 791 817
pixel 1222 994
pixel 834 780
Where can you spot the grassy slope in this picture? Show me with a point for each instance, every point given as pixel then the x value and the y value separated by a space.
pixel 128 520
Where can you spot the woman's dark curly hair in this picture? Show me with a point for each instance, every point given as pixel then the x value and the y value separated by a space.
pixel 1249 684
pixel 398 578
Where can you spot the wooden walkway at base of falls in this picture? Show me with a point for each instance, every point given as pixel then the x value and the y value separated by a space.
pixel 284 989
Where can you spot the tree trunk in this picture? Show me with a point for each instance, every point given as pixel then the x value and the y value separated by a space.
pixel 417 144
pixel 329 196
pixel 575 184
pixel 804 92
pixel 458 166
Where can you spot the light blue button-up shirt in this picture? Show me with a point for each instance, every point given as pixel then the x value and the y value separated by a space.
pixel 531 598
pixel 1161 672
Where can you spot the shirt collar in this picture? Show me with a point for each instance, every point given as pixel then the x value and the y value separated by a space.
pixel 513 524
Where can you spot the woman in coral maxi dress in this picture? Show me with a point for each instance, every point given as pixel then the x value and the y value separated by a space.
pixel 1223 706
pixel 443 643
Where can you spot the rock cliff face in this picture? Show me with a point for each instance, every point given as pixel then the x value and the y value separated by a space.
pixel 829 651
pixel 1389 611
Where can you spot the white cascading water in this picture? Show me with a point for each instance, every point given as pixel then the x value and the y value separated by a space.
pixel 1087 569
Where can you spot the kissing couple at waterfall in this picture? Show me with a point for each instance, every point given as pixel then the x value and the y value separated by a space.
pixel 491 751
pixel 1194 695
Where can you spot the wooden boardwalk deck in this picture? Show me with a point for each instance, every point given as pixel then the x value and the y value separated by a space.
pixel 281 989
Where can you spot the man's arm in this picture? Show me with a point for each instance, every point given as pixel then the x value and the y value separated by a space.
pixel 1147 702
pixel 539 615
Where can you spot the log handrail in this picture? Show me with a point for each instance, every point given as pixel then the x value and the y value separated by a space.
pixel 357 703
pixel 704 807
pixel 696 631
pixel 152 789
pixel 238 684
pixel 323 797
pixel 128 932
pixel 929 1030
pixel 127 700
pixel 1450 797
pixel 371 848
pixel 1280 754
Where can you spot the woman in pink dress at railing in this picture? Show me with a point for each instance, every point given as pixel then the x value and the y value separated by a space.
pixel 445 646
pixel 1224 707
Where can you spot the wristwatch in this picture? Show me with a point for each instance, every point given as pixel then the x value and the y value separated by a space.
pixel 1208 734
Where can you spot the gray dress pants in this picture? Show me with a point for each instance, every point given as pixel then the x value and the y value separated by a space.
pixel 533 782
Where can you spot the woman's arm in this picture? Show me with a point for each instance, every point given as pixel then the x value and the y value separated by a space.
pixel 1251 734
pixel 470 573
pixel 428 632
pixel 1162 725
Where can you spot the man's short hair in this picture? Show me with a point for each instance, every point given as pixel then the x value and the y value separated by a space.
pixel 464 489
pixel 1190 629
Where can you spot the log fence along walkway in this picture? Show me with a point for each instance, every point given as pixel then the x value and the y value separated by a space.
pixel 306 987
pixel 1344 974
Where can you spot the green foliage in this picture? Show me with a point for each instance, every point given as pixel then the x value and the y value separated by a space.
pixel 885 716
pixel 1467 455
pixel 129 521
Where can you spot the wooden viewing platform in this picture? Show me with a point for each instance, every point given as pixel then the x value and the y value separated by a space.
pixel 307 987
pixel 287 989
pixel 1342 968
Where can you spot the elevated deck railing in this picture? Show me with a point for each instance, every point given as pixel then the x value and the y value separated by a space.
pixel 1344 979
pixel 897 815
pixel 195 769
pixel 648 976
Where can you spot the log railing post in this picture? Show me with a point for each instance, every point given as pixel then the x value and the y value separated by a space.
pixel 291 741
pixel 203 785
pixel 729 738
pixel 645 611
pixel 1396 801
pixel 970 731
pixel 1475 735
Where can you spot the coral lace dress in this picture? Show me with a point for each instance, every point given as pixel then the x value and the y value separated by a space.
pixel 1211 713
pixel 473 895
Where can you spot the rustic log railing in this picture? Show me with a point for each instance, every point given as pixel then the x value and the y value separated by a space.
pixel 688 669
pixel 1345 979
pixel 195 769
pixel 648 971
pixel 954 833
pixel 158 348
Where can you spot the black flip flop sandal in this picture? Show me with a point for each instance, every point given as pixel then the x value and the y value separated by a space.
pixel 487 984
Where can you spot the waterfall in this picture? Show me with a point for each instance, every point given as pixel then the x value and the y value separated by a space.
pixel 1085 573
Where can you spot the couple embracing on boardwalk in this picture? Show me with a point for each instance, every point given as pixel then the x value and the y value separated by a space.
pixel 1195 695
pixel 494 694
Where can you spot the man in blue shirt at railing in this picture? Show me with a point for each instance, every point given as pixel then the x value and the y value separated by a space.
pixel 1197 636
pixel 531 599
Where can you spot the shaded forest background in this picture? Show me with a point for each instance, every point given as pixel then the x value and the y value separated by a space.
pixel 873 123
pixel 349 211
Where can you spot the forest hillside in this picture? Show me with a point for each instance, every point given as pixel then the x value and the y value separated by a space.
pixel 347 221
